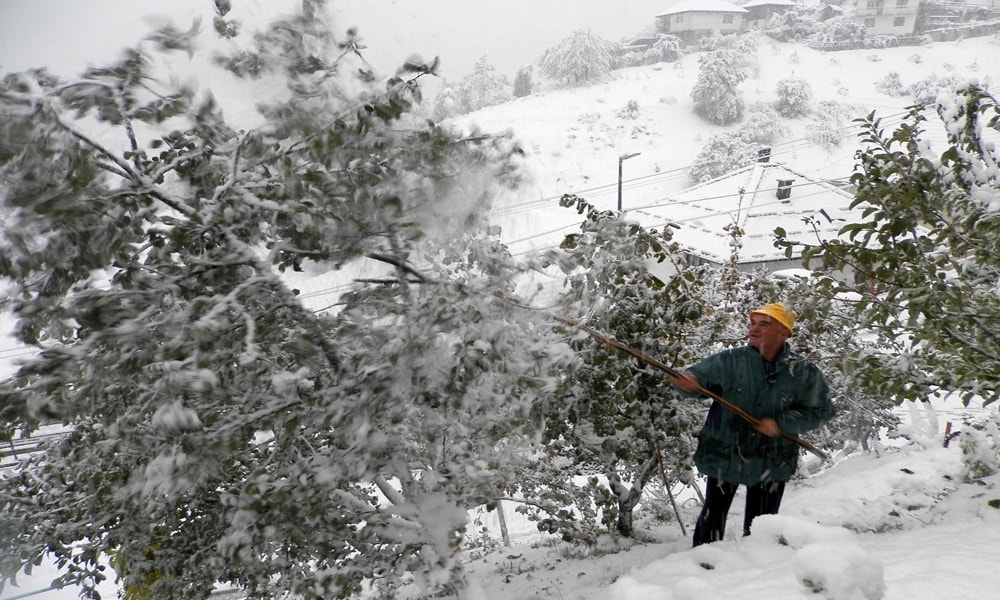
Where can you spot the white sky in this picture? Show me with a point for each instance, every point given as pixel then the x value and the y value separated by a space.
pixel 69 35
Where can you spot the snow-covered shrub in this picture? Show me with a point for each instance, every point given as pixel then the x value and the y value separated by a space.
pixel 840 29
pixel 630 111
pixel 481 88
pixel 828 123
pixel 891 85
pixel 723 153
pixel 582 58
pixel 794 95
pixel 980 443
pixel 744 45
pixel 667 48
pixel 716 95
pixel 927 89
pixel 763 124
pixel 790 26
pixel 880 42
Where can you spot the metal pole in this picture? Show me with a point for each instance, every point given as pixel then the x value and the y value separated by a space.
pixel 621 159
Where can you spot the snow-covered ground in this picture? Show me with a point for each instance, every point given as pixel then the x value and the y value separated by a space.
pixel 897 523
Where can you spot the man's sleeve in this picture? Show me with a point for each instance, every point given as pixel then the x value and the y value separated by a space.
pixel 812 407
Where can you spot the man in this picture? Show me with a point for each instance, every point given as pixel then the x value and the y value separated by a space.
pixel 786 393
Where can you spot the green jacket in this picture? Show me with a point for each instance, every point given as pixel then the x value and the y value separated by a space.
pixel 794 394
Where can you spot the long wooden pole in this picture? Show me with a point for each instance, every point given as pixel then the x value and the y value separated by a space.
pixel 675 373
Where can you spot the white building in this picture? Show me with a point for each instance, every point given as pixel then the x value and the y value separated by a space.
pixel 887 17
pixel 694 18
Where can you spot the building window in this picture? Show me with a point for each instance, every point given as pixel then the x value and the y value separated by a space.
pixel 728 19
pixel 869 22
pixel 899 21
pixel 679 19
pixel 901 3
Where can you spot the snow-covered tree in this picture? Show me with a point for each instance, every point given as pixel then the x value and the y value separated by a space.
pixel 617 418
pixel 721 154
pixel 481 88
pixel 221 430
pixel 522 82
pixel 793 97
pixel 926 253
pixel 580 59
pixel 716 93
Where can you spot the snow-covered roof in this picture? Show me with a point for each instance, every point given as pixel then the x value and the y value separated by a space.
pixel 703 6
pixel 755 3
pixel 703 212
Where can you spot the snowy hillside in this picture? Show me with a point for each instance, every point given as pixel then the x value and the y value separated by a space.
pixel 574 137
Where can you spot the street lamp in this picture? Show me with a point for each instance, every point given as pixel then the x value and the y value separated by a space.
pixel 622 158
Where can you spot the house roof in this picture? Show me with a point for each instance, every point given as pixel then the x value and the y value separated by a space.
pixel 779 3
pixel 703 6
pixel 702 213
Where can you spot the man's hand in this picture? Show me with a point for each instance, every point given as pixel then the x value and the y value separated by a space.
pixel 769 427
pixel 686 381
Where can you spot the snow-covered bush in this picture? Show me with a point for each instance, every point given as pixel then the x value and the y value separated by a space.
pixel 716 92
pixel 630 111
pixel 891 85
pixel 980 443
pixel 790 26
pixel 763 124
pixel 722 153
pixel 580 59
pixel 840 29
pixel 929 88
pixel 793 97
pixel 667 48
pixel 827 124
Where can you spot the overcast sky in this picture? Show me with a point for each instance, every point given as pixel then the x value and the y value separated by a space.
pixel 69 35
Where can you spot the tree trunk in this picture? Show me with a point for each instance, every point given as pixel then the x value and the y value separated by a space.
pixel 503 524
pixel 627 501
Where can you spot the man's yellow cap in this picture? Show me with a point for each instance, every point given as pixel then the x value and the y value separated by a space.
pixel 779 313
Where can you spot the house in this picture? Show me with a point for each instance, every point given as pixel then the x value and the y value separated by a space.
pixel 888 17
pixel 692 19
pixel 757 199
pixel 759 12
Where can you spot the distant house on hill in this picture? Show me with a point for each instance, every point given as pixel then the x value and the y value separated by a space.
pixel 692 19
pixel 888 17
pixel 759 12
pixel 758 199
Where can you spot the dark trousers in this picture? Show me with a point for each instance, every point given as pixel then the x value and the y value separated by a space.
pixel 762 499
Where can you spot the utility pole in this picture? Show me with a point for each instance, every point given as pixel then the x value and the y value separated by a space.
pixel 622 158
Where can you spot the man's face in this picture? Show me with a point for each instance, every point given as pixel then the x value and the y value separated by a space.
pixel 767 335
